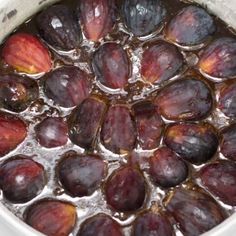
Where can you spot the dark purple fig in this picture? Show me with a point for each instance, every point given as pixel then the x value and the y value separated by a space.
pixel 59 27
pixel 227 100
pixel 194 211
pixel 143 17
pixel 190 27
pixel 219 58
pixel 81 175
pixel 228 142
pixel 150 223
pixel 149 124
pixel 84 122
pixel 111 65
pixel 51 217
pixel 196 143
pixel 97 18
pixel 220 179
pixel 166 168
pixel 125 189
pixel 17 92
pixel 13 131
pixel 186 99
pixel 21 179
pixel 52 132
pixel 67 86
pixel 161 62
pixel 100 225
pixel 118 132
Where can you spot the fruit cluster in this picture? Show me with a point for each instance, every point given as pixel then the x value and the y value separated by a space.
pixel 179 108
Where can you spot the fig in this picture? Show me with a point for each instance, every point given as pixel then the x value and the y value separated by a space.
pixel 161 62
pixel 81 175
pixel 196 143
pixel 228 142
pixel 17 92
pixel 13 131
pixel 190 27
pixel 97 18
pixel 227 100
pixel 185 99
pixel 195 211
pixel 51 217
pixel 21 179
pixel 219 58
pixel 149 124
pixel 59 27
pixel 25 53
pixel 125 189
pixel 85 121
pixel 52 132
pixel 111 65
pixel 118 132
pixel 150 223
pixel 67 86
pixel 100 225
pixel 220 179
pixel 143 17
pixel 166 168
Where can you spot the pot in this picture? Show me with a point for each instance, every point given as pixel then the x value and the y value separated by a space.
pixel 15 12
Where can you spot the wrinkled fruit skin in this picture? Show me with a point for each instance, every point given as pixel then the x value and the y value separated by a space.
pixel 52 217
pixel 17 92
pixel 227 100
pixel 97 18
pixel 12 132
pixel 25 53
pixel 149 124
pixel 52 132
pixel 21 179
pixel 142 17
pixel 125 189
pixel 196 143
pixel 219 58
pixel 118 132
pixel 228 142
pixel 81 175
pixel 150 223
pixel 84 122
pixel 195 211
pixel 161 62
pixel 220 179
pixel 111 65
pixel 59 27
pixel 186 99
pixel 192 26
pixel 167 169
pixel 100 225
pixel 67 86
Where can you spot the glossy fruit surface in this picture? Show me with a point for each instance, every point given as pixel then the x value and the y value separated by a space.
pixel 67 86
pixel 51 217
pixel 191 26
pixel 196 143
pixel 160 62
pixel 21 179
pixel 81 175
pixel 166 168
pixel 52 132
pixel 111 65
pixel 186 99
pixel 59 27
pixel 125 189
pixel 26 53
pixel 143 17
